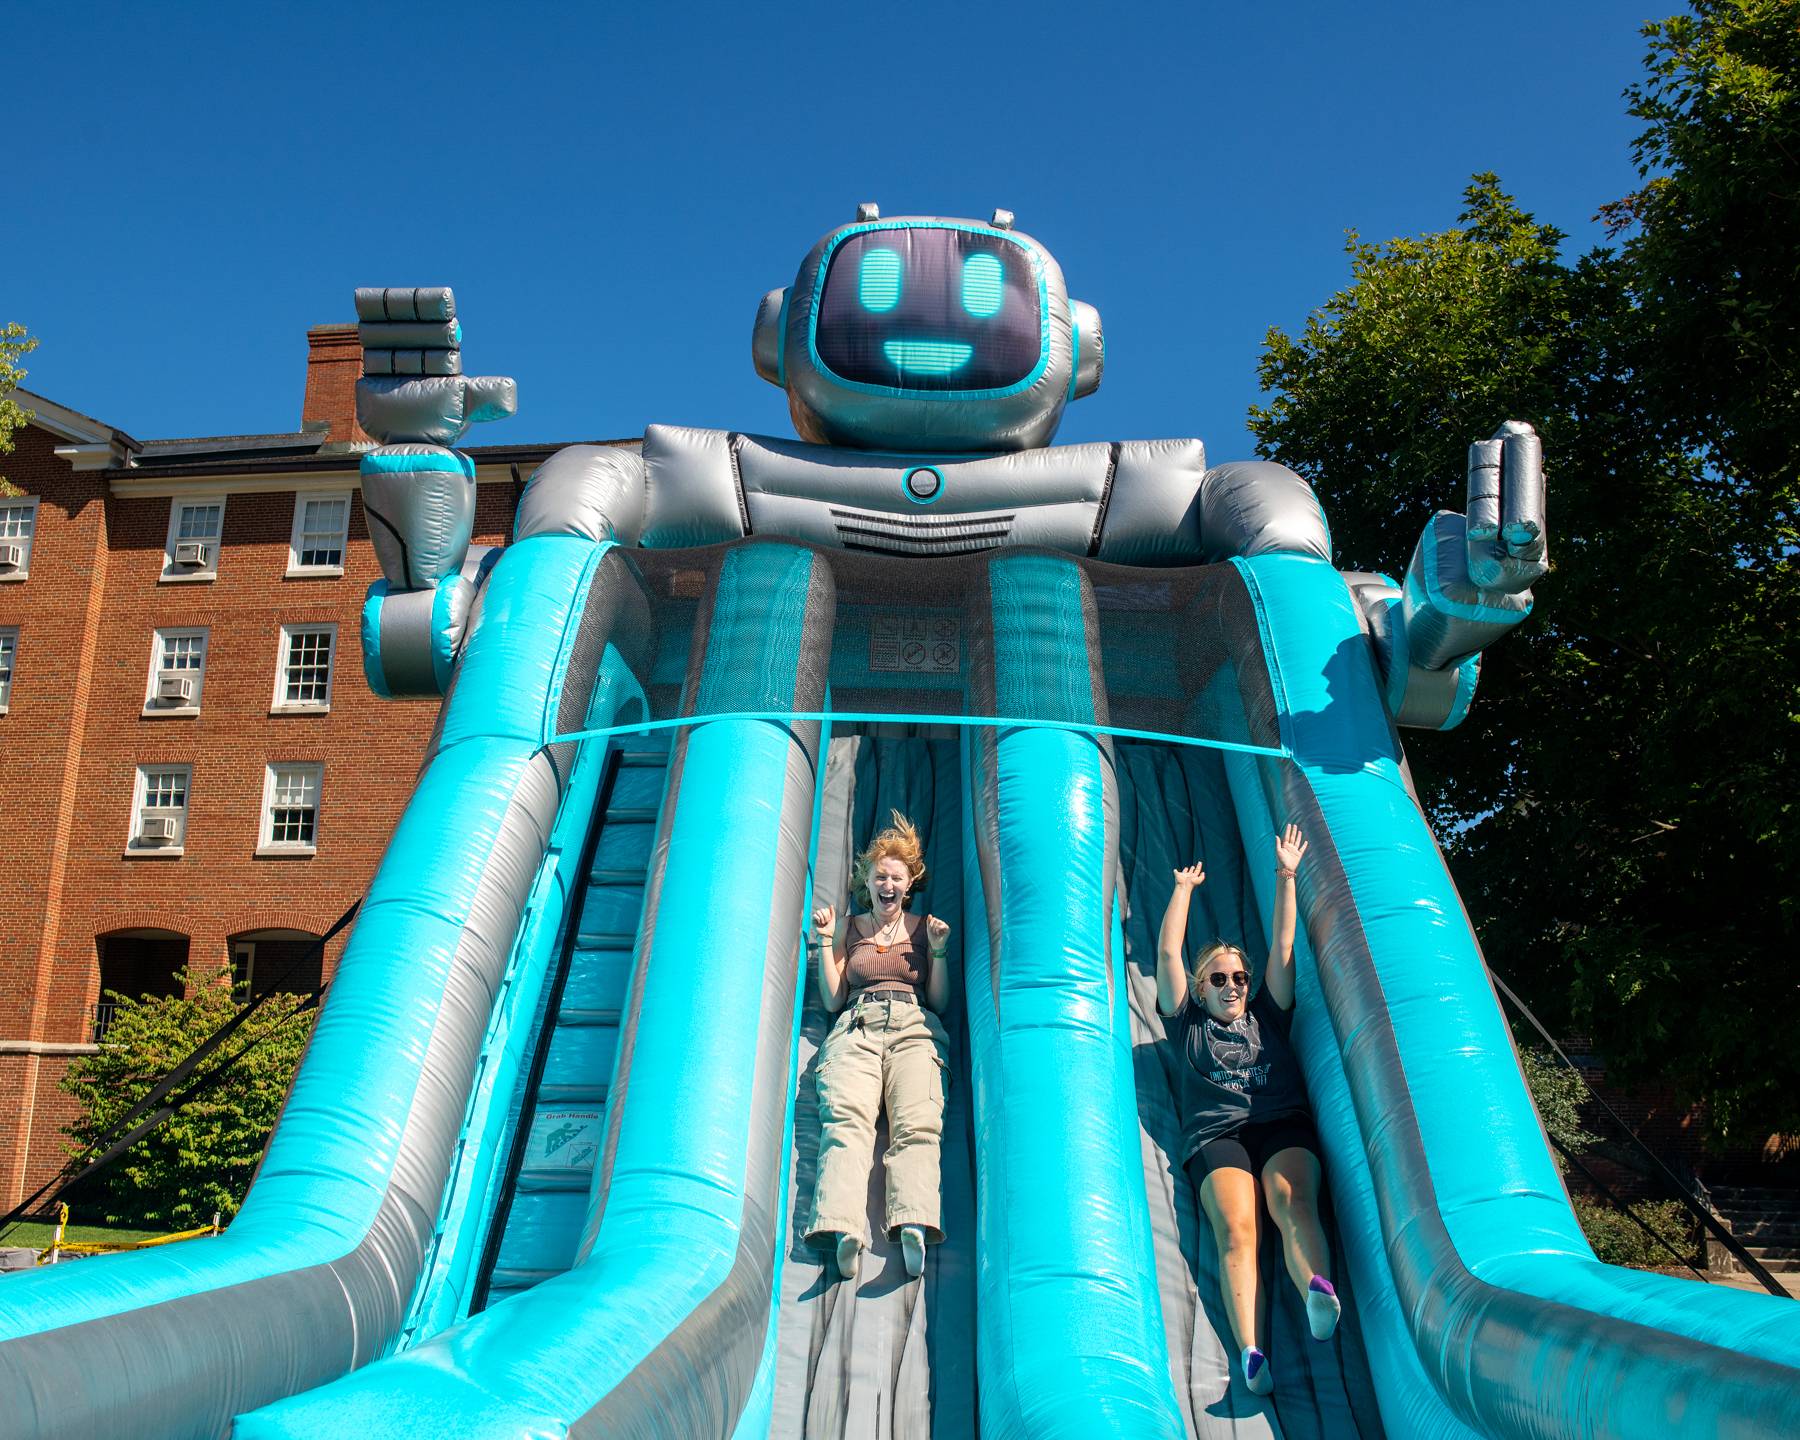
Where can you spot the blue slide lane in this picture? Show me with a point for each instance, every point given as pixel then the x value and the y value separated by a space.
pixel 1517 1326
pixel 1070 1340
pixel 681 1253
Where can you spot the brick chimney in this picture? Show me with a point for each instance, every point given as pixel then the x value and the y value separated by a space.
pixel 333 366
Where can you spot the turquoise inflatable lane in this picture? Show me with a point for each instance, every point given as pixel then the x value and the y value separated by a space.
pixel 313 1276
pixel 1516 1326
pixel 683 1248
pixel 1070 1339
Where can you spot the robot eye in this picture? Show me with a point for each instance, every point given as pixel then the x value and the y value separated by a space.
pixel 983 285
pixel 878 280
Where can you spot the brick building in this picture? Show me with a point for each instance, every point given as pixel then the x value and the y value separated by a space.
pixel 192 766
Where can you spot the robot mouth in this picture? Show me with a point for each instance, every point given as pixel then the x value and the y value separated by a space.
pixel 927 357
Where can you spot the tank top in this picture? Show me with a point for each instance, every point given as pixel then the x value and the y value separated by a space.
pixel 905 963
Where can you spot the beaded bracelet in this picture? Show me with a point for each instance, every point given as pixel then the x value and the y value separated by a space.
pixel 1284 874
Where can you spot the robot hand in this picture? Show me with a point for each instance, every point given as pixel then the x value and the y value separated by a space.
pixel 413 388
pixel 1467 584
pixel 1505 510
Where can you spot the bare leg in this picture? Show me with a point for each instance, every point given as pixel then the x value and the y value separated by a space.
pixel 1291 1188
pixel 1229 1198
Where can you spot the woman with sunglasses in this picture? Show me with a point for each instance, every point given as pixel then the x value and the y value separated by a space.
pixel 1244 1112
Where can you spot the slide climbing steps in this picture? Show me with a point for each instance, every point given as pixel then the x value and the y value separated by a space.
pixel 561 1106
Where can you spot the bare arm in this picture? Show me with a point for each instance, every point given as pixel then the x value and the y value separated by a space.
pixel 1278 977
pixel 937 978
pixel 834 987
pixel 1171 967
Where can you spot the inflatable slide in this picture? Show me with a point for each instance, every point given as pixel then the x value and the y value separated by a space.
pixel 547 1164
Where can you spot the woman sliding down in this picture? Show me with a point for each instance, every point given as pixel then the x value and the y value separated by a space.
pixel 886 1045
pixel 1244 1110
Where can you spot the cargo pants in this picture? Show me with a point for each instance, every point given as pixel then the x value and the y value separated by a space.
pixel 880 1049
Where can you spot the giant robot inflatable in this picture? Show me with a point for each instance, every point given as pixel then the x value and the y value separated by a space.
pixel 546 1165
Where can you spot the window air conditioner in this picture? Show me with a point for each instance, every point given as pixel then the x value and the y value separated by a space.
pixel 11 556
pixel 192 552
pixel 174 688
pixel 156 829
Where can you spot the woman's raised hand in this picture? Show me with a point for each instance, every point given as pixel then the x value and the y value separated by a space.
pixel 937 932
pixel 1290 845
pixel 1189 876
pixel 823 919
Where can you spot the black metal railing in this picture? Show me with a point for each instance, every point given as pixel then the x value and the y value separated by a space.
pixel 103 1018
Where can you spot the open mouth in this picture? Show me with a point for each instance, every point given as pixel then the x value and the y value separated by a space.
pixel 927 357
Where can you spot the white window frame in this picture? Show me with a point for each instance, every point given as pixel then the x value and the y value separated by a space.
pixel 27 540
pixel 173 574
pixel 279 704
pixel 9 638
pixel 176 632
pixel 295 569
pixel 135 849
pixel 266 844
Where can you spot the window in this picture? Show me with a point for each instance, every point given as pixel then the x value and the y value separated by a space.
pixel 159 810
pixel 290 810
pixel 177 671
pixel 321 525
pixel 18 523
pixel 195 530
pixel 9 647
pixel 303 668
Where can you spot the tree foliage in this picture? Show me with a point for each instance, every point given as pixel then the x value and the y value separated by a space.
pixel 1619 806
pixel 203 1158
pixel 15 344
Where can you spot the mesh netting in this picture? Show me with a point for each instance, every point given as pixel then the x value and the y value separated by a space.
pixel 1009 637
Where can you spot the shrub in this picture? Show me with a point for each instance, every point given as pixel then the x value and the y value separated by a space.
pixel 1618 1242
pixel 203 1158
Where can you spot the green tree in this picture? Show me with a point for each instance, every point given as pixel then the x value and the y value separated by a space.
pixel 15 344
pixel 203 1158
pixel 1619 806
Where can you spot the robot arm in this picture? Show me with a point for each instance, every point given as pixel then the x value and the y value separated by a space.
pixel 1468 583
pixel 418 494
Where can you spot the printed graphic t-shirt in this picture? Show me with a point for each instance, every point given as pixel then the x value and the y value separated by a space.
pixel 1237 1074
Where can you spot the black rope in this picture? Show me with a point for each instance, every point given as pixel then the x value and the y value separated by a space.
pixel 1621 1206
pixel 151 1110
pixel 1682 1192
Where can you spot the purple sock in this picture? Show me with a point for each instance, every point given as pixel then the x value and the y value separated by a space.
pixel 1321 1285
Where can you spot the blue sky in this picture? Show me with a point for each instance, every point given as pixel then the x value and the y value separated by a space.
pixel 611 190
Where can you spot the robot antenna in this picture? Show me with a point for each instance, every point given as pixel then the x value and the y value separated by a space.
pixel 868 210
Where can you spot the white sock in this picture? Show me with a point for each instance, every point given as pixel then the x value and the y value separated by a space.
pixel 1257 1378
pixel 1322 1308
pixel 912 1247
pixel 849 1250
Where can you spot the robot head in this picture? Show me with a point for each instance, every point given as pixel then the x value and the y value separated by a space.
pixel 926 334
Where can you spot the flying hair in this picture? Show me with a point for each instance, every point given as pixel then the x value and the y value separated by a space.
pixel 899 841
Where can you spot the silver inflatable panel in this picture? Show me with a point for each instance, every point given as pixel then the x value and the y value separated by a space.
pixel 434 410
pixel 1446 615
pixel 693 496
pixel 1507 529
pixel 412 362
pixel 1090 349
pixel 1254 507
pixel 410 335
pixel 420 515
pixel 592 490
pixel 430 302
pixel 1130 503
pixel 1152 512
pixel 765 337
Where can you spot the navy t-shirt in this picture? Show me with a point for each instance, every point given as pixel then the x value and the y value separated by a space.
pixel 1238 1074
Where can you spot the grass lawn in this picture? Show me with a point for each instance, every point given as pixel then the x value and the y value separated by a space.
pixel 38 1237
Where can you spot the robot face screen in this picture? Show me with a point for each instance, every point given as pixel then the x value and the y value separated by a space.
pixel 930 308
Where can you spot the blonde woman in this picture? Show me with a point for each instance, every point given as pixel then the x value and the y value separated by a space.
pixel 885 972
pixel 1245 1119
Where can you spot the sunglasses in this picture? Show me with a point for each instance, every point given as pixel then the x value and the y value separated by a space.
pixel 1219 980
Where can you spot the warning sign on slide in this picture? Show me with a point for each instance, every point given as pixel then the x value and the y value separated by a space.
pixel 916 645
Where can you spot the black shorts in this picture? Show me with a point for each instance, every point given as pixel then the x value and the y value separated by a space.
pixel 1249 1146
